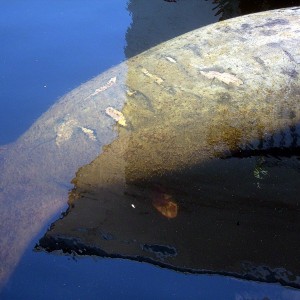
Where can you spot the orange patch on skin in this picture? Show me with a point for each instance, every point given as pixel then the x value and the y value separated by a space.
pixel 164 204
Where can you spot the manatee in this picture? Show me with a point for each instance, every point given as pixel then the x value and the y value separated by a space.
pixel 212 92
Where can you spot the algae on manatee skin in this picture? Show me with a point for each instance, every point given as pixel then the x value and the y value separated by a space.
pixel 103 88
pixel 156 79
pixel 64 131
pixel 89 132
pixel 227 78
pixel 116 115
pixel 259 171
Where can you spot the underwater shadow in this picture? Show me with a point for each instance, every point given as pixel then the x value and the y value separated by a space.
pixel 235 214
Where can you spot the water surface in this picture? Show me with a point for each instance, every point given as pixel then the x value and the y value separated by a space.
pixel 50 48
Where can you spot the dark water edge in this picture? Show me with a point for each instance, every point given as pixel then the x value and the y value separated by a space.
pixel 231 8
pixel 125 279
pixel 47 276
pixel 61 276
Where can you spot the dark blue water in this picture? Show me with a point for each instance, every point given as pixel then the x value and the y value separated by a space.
pixel 50 47
pixel 47 49
pixel 44 276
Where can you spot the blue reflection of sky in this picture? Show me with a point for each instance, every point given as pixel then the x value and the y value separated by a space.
pixel 46 276
pixel 50 47
pixel 61 277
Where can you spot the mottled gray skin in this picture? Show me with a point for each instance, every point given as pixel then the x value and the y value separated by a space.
pixel 169 82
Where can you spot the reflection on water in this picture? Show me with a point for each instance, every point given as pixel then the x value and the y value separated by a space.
pixel 156 21
pixel 232 8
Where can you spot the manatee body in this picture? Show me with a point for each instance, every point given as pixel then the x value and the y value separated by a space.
pixel 207 93
pixel 186 107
